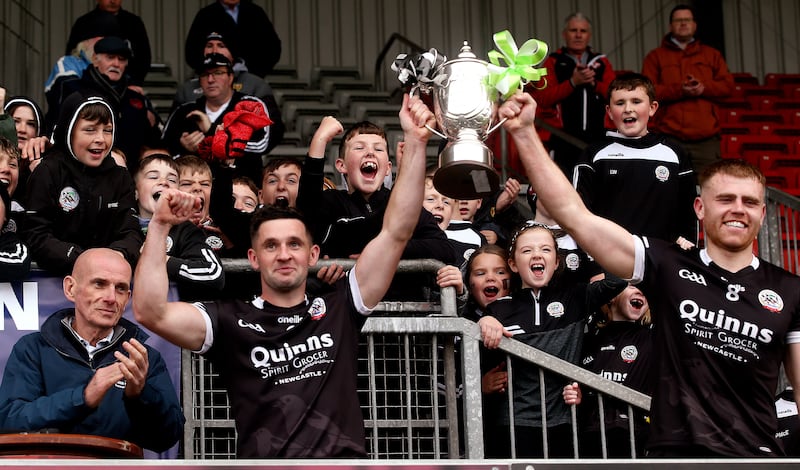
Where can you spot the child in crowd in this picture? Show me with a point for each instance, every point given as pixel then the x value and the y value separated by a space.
pixel 344 221
pixel 548 316
pixel 78 198
pixel 28 122
pixel 10 178
pixel 191 263
pixel 640 180
pixel 281 181
pixel 619 347
pixel 245 195
pixel 462 237
pixel 15 260
pixel 496 217
pixel 27 118
pixel 195 178
pixel 578 266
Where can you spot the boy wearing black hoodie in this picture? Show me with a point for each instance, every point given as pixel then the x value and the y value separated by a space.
pixel 78 198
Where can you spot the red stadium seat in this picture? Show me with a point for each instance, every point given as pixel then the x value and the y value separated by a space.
pixel 757 116
pixel 734 102
pixel 744 78
pixel 781 79
pixel 734 128
pixel 737 144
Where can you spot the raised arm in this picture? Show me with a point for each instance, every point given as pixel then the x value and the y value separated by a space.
pixel 611 245
pixel 178 322
pixel 377 264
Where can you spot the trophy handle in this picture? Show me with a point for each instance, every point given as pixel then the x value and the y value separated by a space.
pixel 411 92
pixel 494 128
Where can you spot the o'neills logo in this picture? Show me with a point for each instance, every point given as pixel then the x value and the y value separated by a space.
pixel 263 357
pixel 691 311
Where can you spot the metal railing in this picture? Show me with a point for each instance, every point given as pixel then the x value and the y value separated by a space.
pixel 777 239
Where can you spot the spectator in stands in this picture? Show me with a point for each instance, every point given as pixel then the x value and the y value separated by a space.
pixel 576 86
pixel 343 221
pixel 465 209
pixel 78 198
pixel 488 279
pixel 439 205
pixel 496 217
pixel 243 81
pixel 281 181
pixel 88 371
pixel 463 238
pixel 27 118
pixel 702 301
pixel 67 70
pixel 109 18
pixel 618 346
pixel 194 177
pixel 223 126
pixel 257 42
pixel 578 266
pixel 9 178
pixel 549 316
pixel 136 121
pixel 270 394
pixel 245 195
pixel 15 259
pixel 690 77
pixel 640 180
pixel 191 263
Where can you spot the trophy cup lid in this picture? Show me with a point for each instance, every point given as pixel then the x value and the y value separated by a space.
pixel 466 52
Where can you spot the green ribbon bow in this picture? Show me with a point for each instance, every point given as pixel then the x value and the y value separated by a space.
pixel 520 62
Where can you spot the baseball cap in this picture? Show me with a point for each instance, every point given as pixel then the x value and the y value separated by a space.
pixel 212 61
pixel 113 45
pixel 215 35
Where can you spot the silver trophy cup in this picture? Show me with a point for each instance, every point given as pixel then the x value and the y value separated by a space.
pixel 465 105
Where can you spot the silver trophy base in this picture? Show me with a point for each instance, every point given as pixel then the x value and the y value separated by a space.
pixel 466 171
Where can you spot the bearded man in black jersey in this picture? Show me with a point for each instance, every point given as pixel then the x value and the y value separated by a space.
pixel 288 360
pixel 724 319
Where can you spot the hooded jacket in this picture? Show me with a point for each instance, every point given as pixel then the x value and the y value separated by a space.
pixel 47 372
pixel 15 259
pixel 687 118
pixel 15 101
pixel 133 129
pixel 24 165
pixel 72 207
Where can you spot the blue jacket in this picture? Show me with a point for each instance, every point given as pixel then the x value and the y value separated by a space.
pixel 47 373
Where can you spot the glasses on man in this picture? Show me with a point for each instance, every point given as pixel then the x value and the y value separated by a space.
pixel 683 20
pixel 215 73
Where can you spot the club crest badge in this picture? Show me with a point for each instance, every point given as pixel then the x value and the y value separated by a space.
pixel 214 242
pixel 318 309
pixel 662 173
pixel 555 309
pixel 170 243
pixel 770 300
pixel 629 354
pixel 68 199
pixel 573 261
